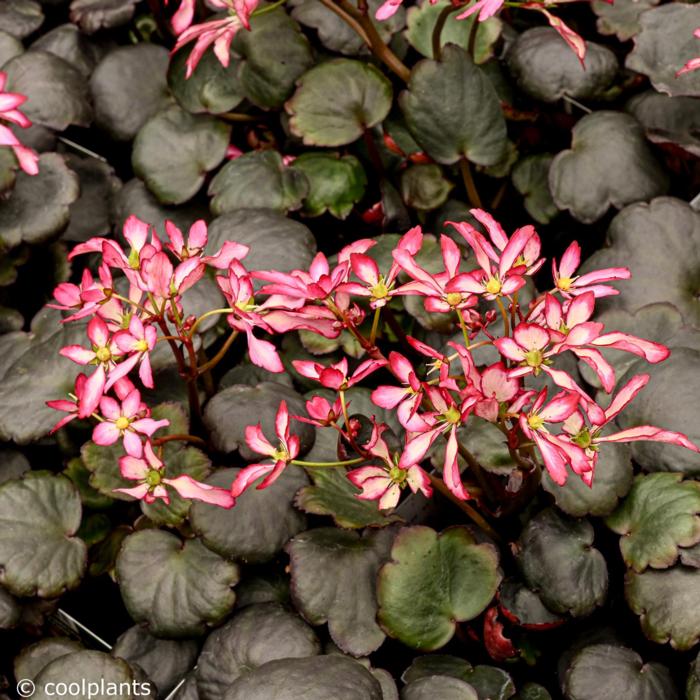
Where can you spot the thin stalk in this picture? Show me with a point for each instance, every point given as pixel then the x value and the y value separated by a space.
pixel 213 312
pixel 504 315
pixel 182 437
pixel 471 46
pixel 202 369
pixel 437 30
pixel 313 465
pixel 463 326
pixel 238 117
pixel 469 184
pixel 375 325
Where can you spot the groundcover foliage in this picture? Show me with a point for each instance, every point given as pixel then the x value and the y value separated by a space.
pixel 350 349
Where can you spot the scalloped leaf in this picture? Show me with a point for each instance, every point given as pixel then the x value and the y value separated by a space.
pixel 20 18
pixel 257 180
pixel 606 671
pixel 620 18
pixel 469 123
pixel 609 164
pixel 546 68
pixel 39 553
pixel 424 187
pixel 174 151
pixel 253 637
pixel 67 42
pixel 337 101
pixel 92 15
pixel 660 514
pixel 260 524
pixel 124 94
pixel 33 659
pixel 333 580
pixel 558 561
pixel 414 604
pixel 664 44
pixel 443 687
pixel 177 588
pixel 313 678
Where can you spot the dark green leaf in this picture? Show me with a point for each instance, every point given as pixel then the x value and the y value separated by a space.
pixel 525 608
pixel 469 123
pixel 337 101
pixel 443 687
pixel 9 47
pixel 33 659
pixel 174 150
pixel 177 588
pixel 91 15
pixel 530 177
pixel 414 604
pixel 66 42
pixel 425 187
pixel 437 665
pixel 20 17
pixel 620 18
pixel 10 612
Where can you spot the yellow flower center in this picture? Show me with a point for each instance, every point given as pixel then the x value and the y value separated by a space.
pixel 122 423
pixel 493 286
pixel 280 454
pixel 564 283
pixel 533 358
pixel 380 290
pixel 535 421
pixel 142 346
pixel 397 475
pixel 103 354
pixel 453 298
pixel 583 439
pixel 153 478
pixel 452 415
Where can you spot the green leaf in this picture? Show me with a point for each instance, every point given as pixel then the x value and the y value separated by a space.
pixel 415 606
pixel 13 464
pixel 124 94
pixel 91 15
pixel 229 412
pixel 620 18
pixel 33 659
pixel 333 494
pixel 545 67
pixel 259 525
pixel 443 687
pixel 21 221
pixel 94 670
pixel 437 665
pixel 39 555
pixel 533 691
pixel 668 119
pixel 609 164
pixel 469 123
pixel 336 183
pixel 530 176
pixel 666 602
pixel 692 688
pixel 613 479
pixel 10 47
pixel 423 17
pixel 274 54
pixel 165 661
pixel 424 187
pixel 20 17
pixel 337 101
pixel 57 95
pixel 276 242
pixel 559 563
pixel 174 150
pixel 525 608
pixel 257 180
pixel 68 43
pixel 10 612
pixel 78 473
pixel 660 514
pixel 664 44
pixel 178 589
pixel 212 88
pixel 333 580
pixel 606 671
pixel 256 635
pixel 312 678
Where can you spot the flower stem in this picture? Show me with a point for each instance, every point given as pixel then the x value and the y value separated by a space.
pixel 343 463
pixel 213 312
pixel 182 437
pixel 504 314
pixel 437 30
pixel 469 184
pixel 219 355
pixel 375 325
pixel 463 326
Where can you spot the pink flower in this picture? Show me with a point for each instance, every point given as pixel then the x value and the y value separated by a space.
pixel 570 285
pixel 219 32
pixel 407 398
pixel 137 342
pixel 9 102
pixel 336 376
pixel 485 8
pixel 385 483
pixel 321 413
pixel 127 420
pixel 73 408
pixel 693 63
pixel 575 42
pixel 283 454
pixel 196 242
pixel 435 288
pixel 150 473
pixel 183 16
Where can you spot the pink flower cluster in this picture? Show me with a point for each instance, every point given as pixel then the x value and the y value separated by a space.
pixel 434 391
pixel 9 112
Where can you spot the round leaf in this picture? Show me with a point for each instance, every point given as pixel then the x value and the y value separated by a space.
pixel 337 101
pixel 33 659
pixel 259 525
pixel 9 47
pixel 333 580
pixel 660 514
pixel 20 17
pixel 468 124
pixel 257 180
pixel 56 92
pixel 442 687
pixel 546 68
pixel 414 604
pixel 609 164
pixel 313 678
pixel 124 94
pixel 66 42
pixel 256 635
pixel 605 671
pixel 559 563
pixel 39 554
pixel 664 44
pixel 174 151
pixel 336 183
pixel 91 15
pixel 177 588
pixel 10 612
pixel 424 187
